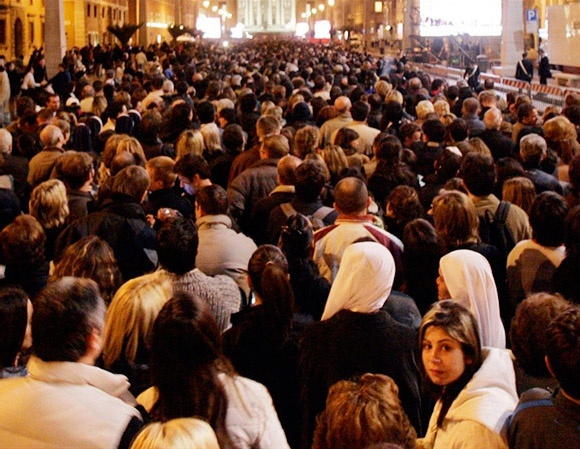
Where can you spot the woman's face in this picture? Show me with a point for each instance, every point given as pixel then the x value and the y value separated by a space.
pixel 442 291
pixel 442 356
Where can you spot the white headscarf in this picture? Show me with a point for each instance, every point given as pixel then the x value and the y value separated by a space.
pixel 470 282
pixel 364 280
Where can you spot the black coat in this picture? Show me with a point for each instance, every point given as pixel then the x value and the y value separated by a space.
pixel 351 344
pixel 121 222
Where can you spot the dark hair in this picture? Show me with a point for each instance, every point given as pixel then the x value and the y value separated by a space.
pixel 434 130
pixel 268 273
pixel 186 361
pixel 547 217
pixel 360 111
pixel 344 138
pixel 13 322
pixel 65 314
pixel 529 348
pixel 296 236
pixel 205 112
pixel 248 103
pixel 478 173
pixel 213 200
pixel 563 350
pixel 190 165
pixel 310 179
pixel 177 243
pixel 524 110
pixel 23 244
pixel 457 129
pixel 572 232
pixel 233 138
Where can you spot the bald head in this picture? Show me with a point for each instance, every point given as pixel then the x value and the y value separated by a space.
pixel 351 196
pixel 342 104
pixel 51 136
pixel 5 142
pixel 287 170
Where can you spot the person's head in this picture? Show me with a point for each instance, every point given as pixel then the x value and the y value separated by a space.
pixel 403 205
pixel 342 105
pixel 186 359
pixel 15 329
pixel 53 102
pixel 233 139
pixel 75 169
pixel 346 138
pixel 68 321
pixel 433 130
pixel 192 170
pixel 296 237
pixel 179 433
pixel 360 111
pixel 527 114
pixel 470 106
pixel 5 142
pixel 361 412
pixel 48 204
pixel 442 108
pixel 335 160
pixel 410 133
pixel 447 165
pixel 132 181
pixel 131 145
pixel 547 216
pixel 91 257
pixel 519 191
pixel 274 147
pixel 351 196
pixel 268 278
pixel 267 125
pixel 306 140
pixel 533 149
pixel 529 347
pixel 479 146
pixel 478 173
pixel 177 243
pixel 206 112
pixel 23 243
pixel 563 350
pixel 493 119
pixel 161 174
pixel 211 200
pixel 450 346
pixel 51 136
pixel 310 179
pixel 455 219
pixel 130 317
pixel 423 108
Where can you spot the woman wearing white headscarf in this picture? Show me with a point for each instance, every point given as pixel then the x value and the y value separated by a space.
pixel 465 276
pixel 355 336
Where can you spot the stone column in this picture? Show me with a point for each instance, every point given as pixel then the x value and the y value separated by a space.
pixel 143 19
pixel 54 40
pixel 512 42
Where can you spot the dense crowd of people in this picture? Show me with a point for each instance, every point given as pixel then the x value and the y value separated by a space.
pixel 280 244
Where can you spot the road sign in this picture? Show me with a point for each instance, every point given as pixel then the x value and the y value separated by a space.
pixel 532 20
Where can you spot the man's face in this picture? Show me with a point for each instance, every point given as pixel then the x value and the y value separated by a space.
pixel 187 184
pixel 532 118
pixel 53 103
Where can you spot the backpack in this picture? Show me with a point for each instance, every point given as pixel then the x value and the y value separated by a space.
pixel 494 231
pixel 316 219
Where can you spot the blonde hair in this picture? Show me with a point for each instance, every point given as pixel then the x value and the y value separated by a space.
pixel 394 95
pixel 442 108
pixel 335 160
pixel 107 156
pixel 131 145
pixel 479 146
pixel 189 141
pixel 180 433
pixel 49 205
pixel 130 317
pixel 99 105
pixel 519 191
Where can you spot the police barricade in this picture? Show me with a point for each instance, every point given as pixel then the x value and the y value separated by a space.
pixel 544 93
